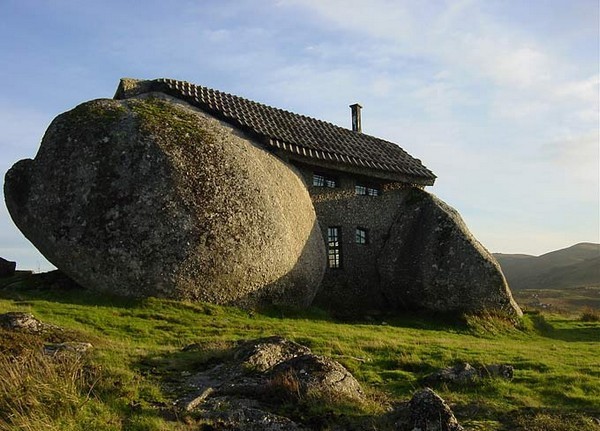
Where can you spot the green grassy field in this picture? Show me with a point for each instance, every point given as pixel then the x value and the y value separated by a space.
pixel 569 300
pixel 125 384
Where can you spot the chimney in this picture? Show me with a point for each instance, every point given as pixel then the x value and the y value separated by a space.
pixel 356 122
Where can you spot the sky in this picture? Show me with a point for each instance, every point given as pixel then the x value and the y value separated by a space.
pixel 499 98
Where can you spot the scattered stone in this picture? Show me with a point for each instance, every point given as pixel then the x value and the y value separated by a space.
pixel 17 320
pixel 315 376
pixel 258 374
pixel 244 415
pixel 432 261
pixel 264 353
pixel 429 412
pixel 191 405
pixel 7 268
pixel 502 371
pixel 69 346
pixel 465 373
pixel 461 374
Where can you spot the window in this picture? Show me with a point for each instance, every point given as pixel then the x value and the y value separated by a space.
pixel 334 249
pixel 320 180
pixel 361 236
pixel 360 190
pixel 363 190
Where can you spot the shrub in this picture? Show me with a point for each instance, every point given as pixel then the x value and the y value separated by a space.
pixel 590 315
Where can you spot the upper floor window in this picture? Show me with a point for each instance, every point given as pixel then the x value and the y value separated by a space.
pixel 361 236
pixel 321 180
pixel 364 190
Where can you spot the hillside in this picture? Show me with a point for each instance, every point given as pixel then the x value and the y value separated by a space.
pixel 576 266
pixel 145 353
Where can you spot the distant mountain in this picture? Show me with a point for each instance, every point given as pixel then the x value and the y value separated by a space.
pixel 574 266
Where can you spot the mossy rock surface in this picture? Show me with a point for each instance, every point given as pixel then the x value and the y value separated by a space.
pixel 432 261
pixel 151 197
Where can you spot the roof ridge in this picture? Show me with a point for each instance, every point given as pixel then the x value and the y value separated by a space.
pixel 298 133
pixel 245 99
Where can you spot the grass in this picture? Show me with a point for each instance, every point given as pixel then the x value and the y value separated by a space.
pixel 573 299
pixel 144 348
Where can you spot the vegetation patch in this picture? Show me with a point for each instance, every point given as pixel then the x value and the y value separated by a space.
pixel 145 350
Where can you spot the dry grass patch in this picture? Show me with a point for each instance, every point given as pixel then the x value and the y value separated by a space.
pixel 38 391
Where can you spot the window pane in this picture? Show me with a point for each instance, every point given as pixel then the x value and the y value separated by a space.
pixel 361 236
pixel 333 247
pixel 318 180
pixel 372 192
pixel 329 182
pixel 360 190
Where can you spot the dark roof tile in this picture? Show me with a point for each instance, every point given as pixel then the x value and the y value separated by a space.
pixel 297 133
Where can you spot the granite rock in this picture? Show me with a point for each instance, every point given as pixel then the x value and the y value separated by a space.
pixel 431 261
pixel 429 412
pixel 151 197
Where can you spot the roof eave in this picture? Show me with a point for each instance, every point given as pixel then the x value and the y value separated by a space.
pixel 378 174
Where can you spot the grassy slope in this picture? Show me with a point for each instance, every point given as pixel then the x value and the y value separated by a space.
pixel 138 345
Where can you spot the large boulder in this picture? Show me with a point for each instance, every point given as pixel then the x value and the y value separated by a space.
pixel 7 268
pixel 432 261
pixel 151 197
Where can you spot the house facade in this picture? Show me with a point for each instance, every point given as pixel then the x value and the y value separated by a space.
pixel 356 181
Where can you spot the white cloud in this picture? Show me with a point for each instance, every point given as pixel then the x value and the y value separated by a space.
pixel 506 115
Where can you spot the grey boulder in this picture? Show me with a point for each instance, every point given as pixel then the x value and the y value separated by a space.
pixel 429 412
pixel 432 261
pixel 151 197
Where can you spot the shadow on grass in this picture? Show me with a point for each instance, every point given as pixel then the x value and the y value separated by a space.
pixel 410 319
pixel 56 287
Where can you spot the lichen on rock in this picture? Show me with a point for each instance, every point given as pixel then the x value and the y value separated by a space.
pixel 432 261
pixel 151 197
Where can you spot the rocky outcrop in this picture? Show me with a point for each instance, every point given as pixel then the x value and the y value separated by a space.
pixel 151 197
pixel 7 268
pixel 316 376
pixel 245 389
pixel 264 353
pixel 21 321
pixel 432 261
pixel 274 368
pixel 21 332
pixel 429 412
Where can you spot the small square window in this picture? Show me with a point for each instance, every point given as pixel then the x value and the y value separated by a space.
pixel 320 180
pixel 364 190
pixel 361 236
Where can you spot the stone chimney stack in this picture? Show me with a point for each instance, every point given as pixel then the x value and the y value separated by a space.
pixel 356 121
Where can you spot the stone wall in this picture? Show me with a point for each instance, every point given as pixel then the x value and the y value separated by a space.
pixel 354 286
pixel 419 255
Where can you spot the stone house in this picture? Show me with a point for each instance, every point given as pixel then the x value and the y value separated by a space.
pixel 356 181
pixel 180 191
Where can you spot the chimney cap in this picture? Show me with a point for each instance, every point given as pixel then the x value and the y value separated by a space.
pixel 356 120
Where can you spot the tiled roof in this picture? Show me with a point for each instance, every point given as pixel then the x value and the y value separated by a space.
pixel 299 134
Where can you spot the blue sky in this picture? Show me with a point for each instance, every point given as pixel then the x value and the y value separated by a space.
pixel 499 98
